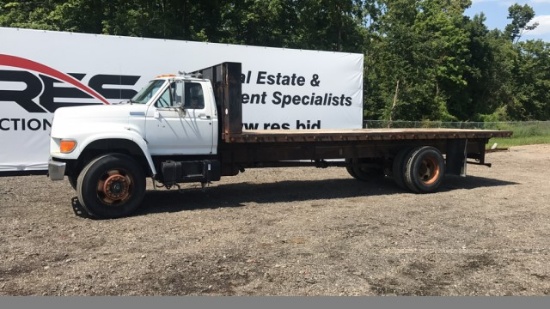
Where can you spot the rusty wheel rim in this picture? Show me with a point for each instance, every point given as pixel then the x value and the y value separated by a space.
pixel 429 170
pixel 114 187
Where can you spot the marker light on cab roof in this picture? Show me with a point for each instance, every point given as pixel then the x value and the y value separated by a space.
pixel 166 75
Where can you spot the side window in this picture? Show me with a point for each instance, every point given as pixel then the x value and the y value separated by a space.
pixel 194 98
pixel 172 96
pixel 164 100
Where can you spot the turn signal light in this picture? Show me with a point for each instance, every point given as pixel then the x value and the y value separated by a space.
pixel 67 145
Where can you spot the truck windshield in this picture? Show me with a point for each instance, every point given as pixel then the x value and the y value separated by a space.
pixel 147 92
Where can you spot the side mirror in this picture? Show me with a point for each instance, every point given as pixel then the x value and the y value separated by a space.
pixel 181 109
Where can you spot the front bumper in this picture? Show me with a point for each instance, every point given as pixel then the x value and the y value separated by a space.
pixel 56 169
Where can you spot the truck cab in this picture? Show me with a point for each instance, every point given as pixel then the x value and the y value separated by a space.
pixel 181 117
pixel 168 131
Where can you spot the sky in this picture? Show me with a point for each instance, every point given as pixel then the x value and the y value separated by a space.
pixel 496 13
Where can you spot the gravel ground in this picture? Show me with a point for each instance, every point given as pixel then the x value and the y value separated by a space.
pixel 299 231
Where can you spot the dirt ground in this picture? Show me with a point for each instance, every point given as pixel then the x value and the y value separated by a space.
pixel 299 231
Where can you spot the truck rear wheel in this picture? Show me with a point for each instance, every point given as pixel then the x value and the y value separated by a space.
pixel 425 169
pixel 363 172
pixel 111 186
pixel 398 167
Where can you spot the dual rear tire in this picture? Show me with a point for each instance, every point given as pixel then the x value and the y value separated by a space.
pixel 420 169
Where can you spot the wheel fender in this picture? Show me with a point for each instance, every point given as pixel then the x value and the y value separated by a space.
pixel 128 135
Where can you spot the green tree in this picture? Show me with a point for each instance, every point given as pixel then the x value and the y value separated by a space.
pixel 31 14
pixel 489 80
pixel 532 82
pixel 421 57
pixel 520 16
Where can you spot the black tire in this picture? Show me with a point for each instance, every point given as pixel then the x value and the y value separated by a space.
pixel 349 168
pixel 363 172
pixel 398 167
pixel 79 180
pixel 425 170
pixel 111 186
pixel 72 181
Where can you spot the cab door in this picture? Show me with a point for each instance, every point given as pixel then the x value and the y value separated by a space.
pixel 179 122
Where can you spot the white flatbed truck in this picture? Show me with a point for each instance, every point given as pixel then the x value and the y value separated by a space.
pixel 188 128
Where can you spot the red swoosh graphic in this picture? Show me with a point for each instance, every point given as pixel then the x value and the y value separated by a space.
pixel 18 62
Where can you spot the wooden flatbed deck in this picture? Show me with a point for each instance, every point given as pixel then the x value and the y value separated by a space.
pixel 328 135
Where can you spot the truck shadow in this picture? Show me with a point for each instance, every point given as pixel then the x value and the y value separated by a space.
pixel 239 194
pixel 452 182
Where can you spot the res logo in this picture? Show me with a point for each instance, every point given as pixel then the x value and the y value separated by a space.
pixel 44 86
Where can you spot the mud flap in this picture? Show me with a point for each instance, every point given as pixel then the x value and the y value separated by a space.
pixel 456 162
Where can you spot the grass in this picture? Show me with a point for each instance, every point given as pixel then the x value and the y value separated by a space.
pixel 525 133
pixel 515 141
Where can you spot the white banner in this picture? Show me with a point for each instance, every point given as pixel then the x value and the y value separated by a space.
pixel 41 71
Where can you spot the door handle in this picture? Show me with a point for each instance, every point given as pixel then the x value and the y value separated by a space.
pixel 204 116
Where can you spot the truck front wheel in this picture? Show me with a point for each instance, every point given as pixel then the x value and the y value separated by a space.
pixel 72 181
pixel 111 186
